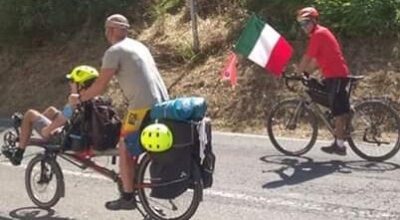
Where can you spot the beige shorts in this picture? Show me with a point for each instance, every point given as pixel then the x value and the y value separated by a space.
pixel 40 123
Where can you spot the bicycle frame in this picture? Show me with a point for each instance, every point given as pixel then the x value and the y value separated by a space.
pixel 372 121
pixel 318 112
pixel 50 170
pixel 81 160
pixel 306 100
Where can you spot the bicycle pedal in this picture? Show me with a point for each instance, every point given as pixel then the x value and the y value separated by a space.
pixel 6 151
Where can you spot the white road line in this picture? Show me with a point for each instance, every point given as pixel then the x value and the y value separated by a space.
pixel 307 205
pixel 255 136
pixel 279 201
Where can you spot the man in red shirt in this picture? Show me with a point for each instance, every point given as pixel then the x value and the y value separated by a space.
pixel 324 52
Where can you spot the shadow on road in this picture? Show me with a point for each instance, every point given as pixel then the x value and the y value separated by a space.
pixel 296 170
pixel 35 213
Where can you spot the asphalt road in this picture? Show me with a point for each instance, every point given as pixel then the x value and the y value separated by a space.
pixel 252 181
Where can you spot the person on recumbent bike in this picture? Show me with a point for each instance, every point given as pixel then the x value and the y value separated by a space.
pixel 50 121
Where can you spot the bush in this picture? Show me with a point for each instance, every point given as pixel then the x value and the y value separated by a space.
pixel 349 18
pixel 27 19
pixel 361 17
pixel 161 7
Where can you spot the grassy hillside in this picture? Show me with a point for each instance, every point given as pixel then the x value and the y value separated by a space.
pixel 33 76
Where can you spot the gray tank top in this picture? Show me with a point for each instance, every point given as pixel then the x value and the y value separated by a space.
pixel 136 72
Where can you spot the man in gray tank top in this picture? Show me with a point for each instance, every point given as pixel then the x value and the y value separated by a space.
pixel 133 65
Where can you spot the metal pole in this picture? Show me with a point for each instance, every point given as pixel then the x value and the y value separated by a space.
pixel 193 13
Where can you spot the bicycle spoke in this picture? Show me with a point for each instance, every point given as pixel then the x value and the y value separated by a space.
pixel 179 207
pixel 290 119
pixel 375 134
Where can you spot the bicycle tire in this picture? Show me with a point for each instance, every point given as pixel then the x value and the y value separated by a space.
pixel 195 202
pixel 55 170
pixel 311 119
pixel 380 108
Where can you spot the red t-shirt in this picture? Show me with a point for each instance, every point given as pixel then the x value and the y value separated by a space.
pixel 324 47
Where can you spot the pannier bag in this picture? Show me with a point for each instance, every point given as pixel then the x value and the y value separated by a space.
pixel 317 92
pixel 105 125
pixel 170 170
pixel 95 124
pixel 183 109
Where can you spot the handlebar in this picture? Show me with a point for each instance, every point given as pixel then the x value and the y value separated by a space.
pixel 304 78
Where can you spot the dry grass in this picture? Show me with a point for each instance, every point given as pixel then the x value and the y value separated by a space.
pixel 34 79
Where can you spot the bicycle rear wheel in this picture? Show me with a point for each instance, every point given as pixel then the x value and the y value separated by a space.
pixel 375 131
pixel 291 119
pixel 182 207
pixel 44 181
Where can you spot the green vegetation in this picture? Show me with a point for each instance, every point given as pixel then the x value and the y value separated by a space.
pixel 27 19
pixel 361 17
pixel 185 50
pixel 45 19
pixel 164 6
pixel 349 18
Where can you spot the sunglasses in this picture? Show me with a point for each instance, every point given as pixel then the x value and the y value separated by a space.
pixel 305 23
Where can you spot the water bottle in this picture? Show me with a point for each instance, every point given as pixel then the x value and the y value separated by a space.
pixel 68 111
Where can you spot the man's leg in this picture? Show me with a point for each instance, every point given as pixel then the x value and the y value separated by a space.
pixel 27 127
pixel 26 130
pixel 126 166
pixel 51 112
pixel 340 126
pixel 340 107
pixel 127 162
pixel 127 172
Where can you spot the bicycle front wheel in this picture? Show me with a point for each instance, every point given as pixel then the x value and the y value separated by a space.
pixel 182 207
pixel 288 120
pixel 44 181
pixel 375 131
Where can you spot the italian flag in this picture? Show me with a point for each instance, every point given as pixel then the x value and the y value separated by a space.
pixel 261 44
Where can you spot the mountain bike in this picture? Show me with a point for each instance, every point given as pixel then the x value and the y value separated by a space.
pixel 373 128
pixel 44 179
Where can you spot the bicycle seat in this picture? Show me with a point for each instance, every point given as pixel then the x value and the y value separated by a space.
pixel 353 78
pixel 50 144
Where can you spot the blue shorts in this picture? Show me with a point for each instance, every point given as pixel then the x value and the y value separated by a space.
pixel 132 141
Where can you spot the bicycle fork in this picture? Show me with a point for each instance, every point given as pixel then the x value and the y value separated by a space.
pixel 291 125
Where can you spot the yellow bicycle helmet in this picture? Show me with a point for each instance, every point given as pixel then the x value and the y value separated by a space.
pixel 82 74
pixel 156 138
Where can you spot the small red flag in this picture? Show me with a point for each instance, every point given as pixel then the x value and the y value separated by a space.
pixel 229 72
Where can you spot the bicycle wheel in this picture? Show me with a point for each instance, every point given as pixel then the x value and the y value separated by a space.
pixel 292 119
pixel 374 131
pixel 10 140
pixel 182 207
pixel 44 181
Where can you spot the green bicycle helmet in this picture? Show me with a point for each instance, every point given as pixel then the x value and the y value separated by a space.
pixel 156 138
pixel 83 74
